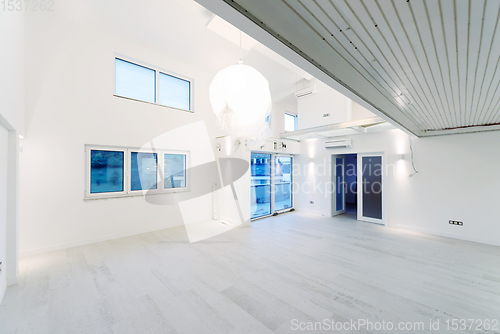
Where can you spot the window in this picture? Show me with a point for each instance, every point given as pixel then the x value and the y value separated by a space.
pixel 174 92
pixel 106 171
pixel 153 172
pixel 151 85
pixel 143 168
pixel 290 122
pixel 174 171
pixel 135 81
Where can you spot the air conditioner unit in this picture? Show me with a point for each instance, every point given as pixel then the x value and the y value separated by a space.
pixel 305 91
pixel 338 143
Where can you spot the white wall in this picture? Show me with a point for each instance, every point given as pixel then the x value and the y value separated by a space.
pixel 456 181
pixel 70 103
pixel 12 69
pixel 326 101
pixel 358 112
pixel 3 207
pixel 278 116
pixel 11 119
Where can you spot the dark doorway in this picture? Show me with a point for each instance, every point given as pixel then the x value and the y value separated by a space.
pixel 351 188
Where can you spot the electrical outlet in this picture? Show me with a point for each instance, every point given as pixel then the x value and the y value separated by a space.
pixel 312 202
pixel 456 222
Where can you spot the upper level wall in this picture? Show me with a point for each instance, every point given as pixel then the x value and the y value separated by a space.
pixel 12 69
pixel 328 106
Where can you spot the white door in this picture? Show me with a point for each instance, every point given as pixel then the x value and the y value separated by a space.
pixel 338 183
pixel 371 188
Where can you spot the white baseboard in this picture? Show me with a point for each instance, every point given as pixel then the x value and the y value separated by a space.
pixel 312 212
pixel 449 235
pixel 36 251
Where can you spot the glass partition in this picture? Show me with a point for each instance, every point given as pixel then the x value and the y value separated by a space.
pixel 282 183
pixel 260 185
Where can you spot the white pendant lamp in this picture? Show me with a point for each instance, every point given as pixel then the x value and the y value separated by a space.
pixel 241 99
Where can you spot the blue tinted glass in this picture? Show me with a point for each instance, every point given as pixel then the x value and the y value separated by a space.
pixel 260 185
pixel 372 187
pixel 134 81
pixel 174 92
pixel 339 184
pixel 174 171
pixel 283 183
pixel 290 122
pixel 143 171
pixel 106 171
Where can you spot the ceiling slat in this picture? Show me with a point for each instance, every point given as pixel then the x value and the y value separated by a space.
pixel 433 13
pixel 476 15
pixel 462 38
pixel 489 71
pixel 447 14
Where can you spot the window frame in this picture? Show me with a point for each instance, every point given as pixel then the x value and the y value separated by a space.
pixel 188 172
pixel 143 191
pixel 127 172
pixel 88 170
pixel 295 121
pixel 157 70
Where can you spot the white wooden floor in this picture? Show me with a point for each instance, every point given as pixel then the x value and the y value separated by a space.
pixel 256 280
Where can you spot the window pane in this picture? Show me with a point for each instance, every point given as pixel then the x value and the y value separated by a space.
pixel 282 183
pixel 106 171
pixel 175 171
pixel 260 185
pixel 134 81
pixel 143 174
pixel 290 122
pixel 174 92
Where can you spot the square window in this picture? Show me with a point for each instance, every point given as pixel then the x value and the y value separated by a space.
pixel 143 171
pixel 174 92
pixel 106 171
pixel 135 81
pixel 174 171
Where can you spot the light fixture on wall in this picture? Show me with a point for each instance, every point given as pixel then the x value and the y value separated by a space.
pixel 241 99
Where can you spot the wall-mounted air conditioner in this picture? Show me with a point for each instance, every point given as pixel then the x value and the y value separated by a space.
pixel 305 91
pixel 338 143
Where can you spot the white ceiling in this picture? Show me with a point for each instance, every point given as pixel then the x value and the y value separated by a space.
pixel 429 66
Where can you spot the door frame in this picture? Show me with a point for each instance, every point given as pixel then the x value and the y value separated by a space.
pixel 273 193
pixel 334 184
pixel 359 180
pixel 273 167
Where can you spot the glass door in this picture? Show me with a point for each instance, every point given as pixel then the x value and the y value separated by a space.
pixel 338 194
pixel 260 165
pixel 370 195
pixel 282 183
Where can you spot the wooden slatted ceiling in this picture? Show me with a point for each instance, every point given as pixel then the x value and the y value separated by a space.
pixel 437 61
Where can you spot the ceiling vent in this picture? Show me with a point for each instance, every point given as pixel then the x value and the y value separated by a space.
pixel 305 91
pixel 338 143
